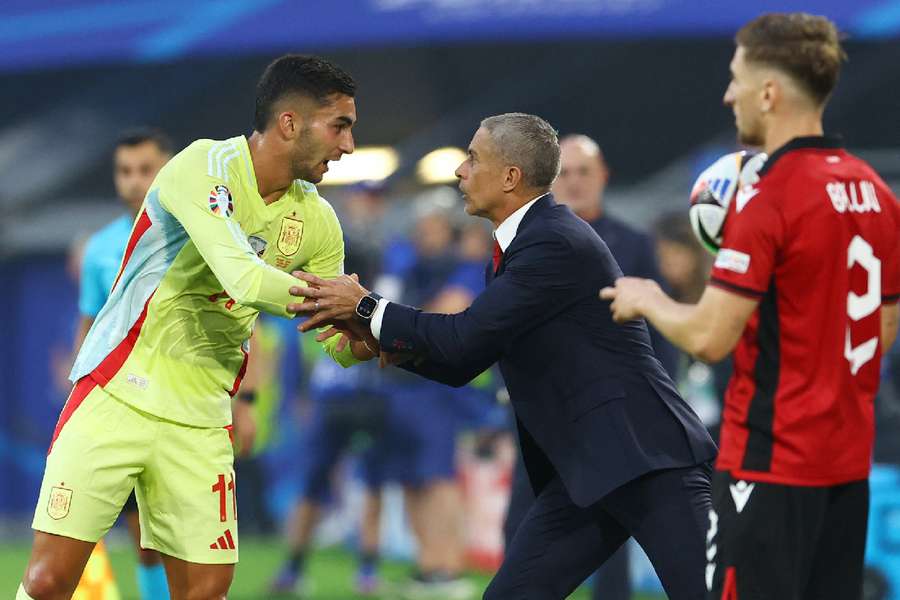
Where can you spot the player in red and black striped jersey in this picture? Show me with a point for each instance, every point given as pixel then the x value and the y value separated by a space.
pixel 805 291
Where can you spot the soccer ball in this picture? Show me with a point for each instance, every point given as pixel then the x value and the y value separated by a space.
pixel 714 190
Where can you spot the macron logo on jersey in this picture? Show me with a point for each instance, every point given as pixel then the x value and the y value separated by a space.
pixel 732 260
pixel 740 493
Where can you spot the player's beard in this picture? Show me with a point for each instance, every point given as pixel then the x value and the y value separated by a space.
pixel 308 158
pixel 751 134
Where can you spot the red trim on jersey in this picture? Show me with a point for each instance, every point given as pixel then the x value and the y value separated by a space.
pixel 81 390
pixel 737 289
pixel 230 539
pixel 110 365
pixel 729 590
pixel 240 376
pixel 143 224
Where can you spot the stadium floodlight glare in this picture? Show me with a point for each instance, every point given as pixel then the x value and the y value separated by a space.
pixel 368 163
pixel 438 166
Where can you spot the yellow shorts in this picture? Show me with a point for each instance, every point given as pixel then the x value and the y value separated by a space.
pixel 183 478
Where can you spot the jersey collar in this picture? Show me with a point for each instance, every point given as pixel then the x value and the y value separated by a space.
pixel 805 142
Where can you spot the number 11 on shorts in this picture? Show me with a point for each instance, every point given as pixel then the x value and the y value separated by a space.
pixel 221 488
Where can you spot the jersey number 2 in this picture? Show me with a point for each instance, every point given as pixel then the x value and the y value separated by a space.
pixel 858 307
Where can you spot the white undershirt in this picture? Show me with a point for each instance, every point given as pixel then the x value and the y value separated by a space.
pixel 504 234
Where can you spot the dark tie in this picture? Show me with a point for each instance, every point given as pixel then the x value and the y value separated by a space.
pixel 498 256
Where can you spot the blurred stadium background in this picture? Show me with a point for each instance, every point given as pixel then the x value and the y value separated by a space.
pixel 643 77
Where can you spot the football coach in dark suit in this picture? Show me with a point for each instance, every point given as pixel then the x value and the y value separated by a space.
pixel 610 447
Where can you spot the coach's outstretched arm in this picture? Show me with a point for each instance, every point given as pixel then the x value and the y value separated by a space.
pixel 532 290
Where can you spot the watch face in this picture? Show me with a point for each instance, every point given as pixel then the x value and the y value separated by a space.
pixel 366 307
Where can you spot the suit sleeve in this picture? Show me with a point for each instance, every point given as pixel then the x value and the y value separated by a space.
pixel 539 282
pixel 223 245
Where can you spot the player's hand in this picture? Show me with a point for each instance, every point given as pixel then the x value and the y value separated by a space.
pixel 628 296
pixel 363 344
pixel 244 426
pixel 326 301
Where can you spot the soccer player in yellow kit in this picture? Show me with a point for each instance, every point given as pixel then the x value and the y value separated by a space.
pixel 221 229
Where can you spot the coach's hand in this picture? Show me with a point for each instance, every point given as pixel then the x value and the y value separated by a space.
pixel 326 301
pixel 628 296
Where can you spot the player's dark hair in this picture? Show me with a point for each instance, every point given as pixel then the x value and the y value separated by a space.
pixel 142 135
pixel 308 76
pixel 806 47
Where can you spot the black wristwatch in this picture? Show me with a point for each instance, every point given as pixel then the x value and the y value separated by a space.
pixel 366 306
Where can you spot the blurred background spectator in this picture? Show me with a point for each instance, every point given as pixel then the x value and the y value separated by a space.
pixel 408 473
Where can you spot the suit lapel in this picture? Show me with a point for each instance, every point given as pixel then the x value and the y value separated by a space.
pixel 545 203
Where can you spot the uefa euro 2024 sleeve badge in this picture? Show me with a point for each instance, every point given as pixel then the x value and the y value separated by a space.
pixel 59 503
pixel 289 236
pixel 220 201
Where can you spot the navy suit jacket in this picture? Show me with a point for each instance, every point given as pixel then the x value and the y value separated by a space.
pixel 635 252
pixel 593 404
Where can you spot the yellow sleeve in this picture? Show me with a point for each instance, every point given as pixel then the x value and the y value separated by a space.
pixel 185 193
pixel 328 262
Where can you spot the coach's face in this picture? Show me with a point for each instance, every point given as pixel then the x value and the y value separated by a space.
pixel 481 176
pixel 747 97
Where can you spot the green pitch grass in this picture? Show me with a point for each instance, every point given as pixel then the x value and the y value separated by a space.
pixel 330 573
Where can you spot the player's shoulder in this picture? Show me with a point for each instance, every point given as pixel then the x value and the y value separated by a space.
pixel 207 156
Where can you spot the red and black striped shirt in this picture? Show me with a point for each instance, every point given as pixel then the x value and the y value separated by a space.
pixel 817 242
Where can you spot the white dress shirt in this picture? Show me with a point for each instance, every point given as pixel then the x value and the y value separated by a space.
pixel 504 234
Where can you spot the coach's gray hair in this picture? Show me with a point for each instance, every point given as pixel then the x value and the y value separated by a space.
pixel 528 142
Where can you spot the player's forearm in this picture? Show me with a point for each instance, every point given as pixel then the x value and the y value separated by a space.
pixel 682 324
pixel 269 292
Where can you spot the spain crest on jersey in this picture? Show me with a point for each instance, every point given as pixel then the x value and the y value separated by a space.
pixel 59 502
pixel 220 201
pixel 290 235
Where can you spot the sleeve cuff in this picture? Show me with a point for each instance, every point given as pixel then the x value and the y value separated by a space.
pixel 377 318
pixel 737 289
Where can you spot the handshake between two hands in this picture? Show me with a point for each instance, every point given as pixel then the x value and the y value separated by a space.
pixel 332 303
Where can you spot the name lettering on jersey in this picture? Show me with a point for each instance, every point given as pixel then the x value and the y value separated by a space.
pixel 854 197
pixel 289 236
pixel 220 201
pixel 744 195
pixel 732 260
